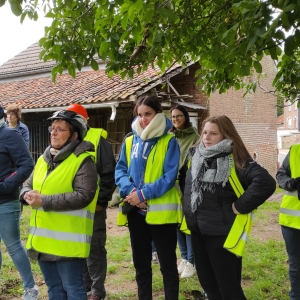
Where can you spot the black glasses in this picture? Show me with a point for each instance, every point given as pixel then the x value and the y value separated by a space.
pixel 59 130
pixel 178 117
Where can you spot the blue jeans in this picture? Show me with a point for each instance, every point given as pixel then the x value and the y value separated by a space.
pixel 185 246
pixel 153 247
pixel 64 279
pixel 291 237
pixel 10 234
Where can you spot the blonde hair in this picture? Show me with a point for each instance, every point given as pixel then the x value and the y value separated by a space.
pixel 15 110
pixel 228 130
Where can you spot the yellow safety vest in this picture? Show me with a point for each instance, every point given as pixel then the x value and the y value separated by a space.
pixel 166 209
pixel 290 206
pixel 93 135
pixel 240 230
pixel 60 233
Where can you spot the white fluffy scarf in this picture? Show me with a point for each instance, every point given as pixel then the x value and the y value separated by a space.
pixel 210 166
pixel 156 127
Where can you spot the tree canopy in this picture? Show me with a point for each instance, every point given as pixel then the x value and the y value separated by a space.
pixel 227 38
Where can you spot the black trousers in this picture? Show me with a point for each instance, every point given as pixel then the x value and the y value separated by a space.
pixel 95 268
pixel 165 240
pixel 218 270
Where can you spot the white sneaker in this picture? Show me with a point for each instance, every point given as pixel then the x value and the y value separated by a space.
pixel 31 294
pixel 188 271
pixel 182 266
pixel 154 258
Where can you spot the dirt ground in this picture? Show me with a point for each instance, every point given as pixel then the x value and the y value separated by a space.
pixel 261 230
pixel 268 229
pixel 264 230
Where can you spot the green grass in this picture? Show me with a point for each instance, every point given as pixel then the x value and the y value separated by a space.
pixel 265 270
pixel 278 190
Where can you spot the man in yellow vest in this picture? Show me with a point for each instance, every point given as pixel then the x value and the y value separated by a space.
pixel 288 177
pixel 96 267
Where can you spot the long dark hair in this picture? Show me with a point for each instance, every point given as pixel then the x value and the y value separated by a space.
pixel 187 122
pixel 228 130
pixel 150 101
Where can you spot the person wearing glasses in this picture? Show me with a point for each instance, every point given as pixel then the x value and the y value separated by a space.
pixel 62 191
pixel 186 136
pixel 145 174
pixel 16 164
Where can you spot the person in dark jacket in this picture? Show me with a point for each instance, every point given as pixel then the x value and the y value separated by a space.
pixel 96 264
pixel 211 205
pixel 13 121
pixel 62 191
pixel 288 177
pixel 16 164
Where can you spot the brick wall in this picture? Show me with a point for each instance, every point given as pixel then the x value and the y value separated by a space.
pixel 288 141
pixel 254 117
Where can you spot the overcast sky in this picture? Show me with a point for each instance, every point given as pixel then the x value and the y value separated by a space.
pixel 16 37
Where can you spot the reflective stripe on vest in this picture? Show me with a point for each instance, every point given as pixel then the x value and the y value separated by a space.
pixel 241 227
pixel 67 236
pixel 60 233
pixel 166 209
pixel 291 193
pixel 289 213
pixel 93 135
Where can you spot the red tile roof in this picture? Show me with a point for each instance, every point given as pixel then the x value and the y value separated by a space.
pixel 88 87
pixel 25 62
pixel 280 119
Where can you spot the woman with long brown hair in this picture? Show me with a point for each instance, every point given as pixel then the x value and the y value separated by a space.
pixel 219 163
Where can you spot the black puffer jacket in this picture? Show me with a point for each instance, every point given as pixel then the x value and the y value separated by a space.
pixel 215 216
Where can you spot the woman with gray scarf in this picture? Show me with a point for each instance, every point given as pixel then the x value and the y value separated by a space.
pixel 211 205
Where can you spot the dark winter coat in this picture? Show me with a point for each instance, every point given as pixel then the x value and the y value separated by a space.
pixel 16 164
pixel 214 217
pixel 105 165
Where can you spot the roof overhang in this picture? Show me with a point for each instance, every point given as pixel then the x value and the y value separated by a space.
pixel 112 105
pixel 190 105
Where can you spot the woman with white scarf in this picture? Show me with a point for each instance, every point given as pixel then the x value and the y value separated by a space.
pixel 211 205
pixel 145 175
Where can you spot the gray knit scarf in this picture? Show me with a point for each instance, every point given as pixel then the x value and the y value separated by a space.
pixel 210 166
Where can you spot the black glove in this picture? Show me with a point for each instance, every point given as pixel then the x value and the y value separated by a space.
pixel 294 182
